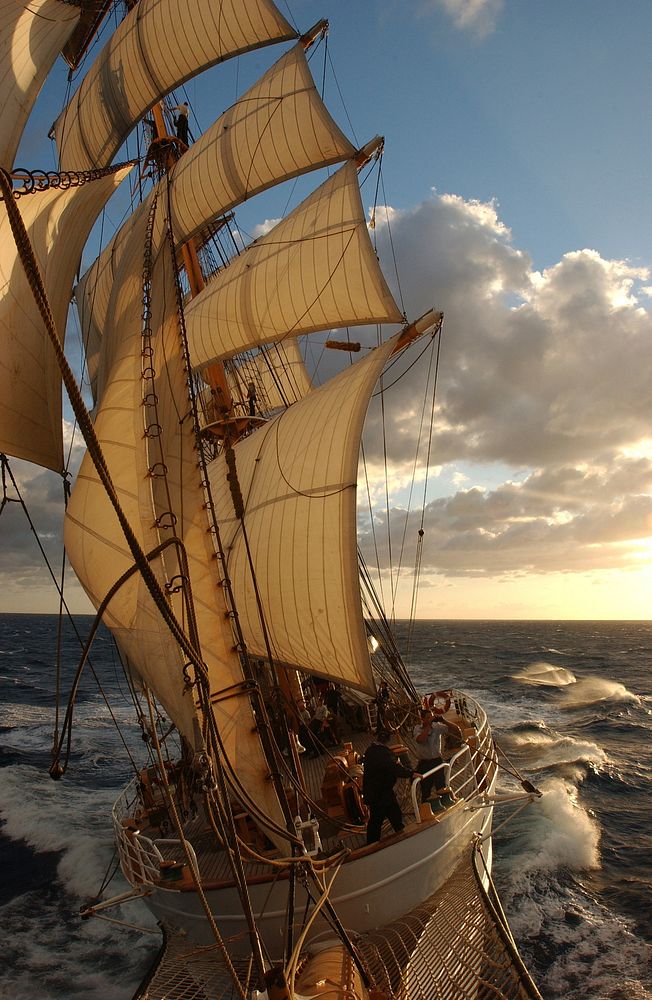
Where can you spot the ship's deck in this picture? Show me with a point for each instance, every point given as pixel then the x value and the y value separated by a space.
pixel 213 863
pixel 214 866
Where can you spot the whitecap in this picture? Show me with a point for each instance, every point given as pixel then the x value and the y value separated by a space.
pixel 547 748
pixel 592 690
pixel 545 675
pixel 561 832
pixel 40 812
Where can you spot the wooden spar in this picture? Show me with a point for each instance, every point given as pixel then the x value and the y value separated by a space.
pixel 314 33
pixel 429 321
pixel 372 148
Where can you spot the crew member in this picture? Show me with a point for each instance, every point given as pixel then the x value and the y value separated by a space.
pixel 429 738
pixel 181 122
pixel 381 769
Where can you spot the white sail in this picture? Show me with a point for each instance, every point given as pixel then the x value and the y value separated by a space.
pixel 279 128
pixel 298 476
pixel 143 423
pixel 58 222
pixel 31 36
pixel 277 374
pixel 159 45
pixel 315 270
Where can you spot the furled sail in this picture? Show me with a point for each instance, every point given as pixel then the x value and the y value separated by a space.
pixel 315 270
pixel 31 36
pixel 144 427
pixel 159 45
pixel 58 222
pixel 297 475
pixel 279 128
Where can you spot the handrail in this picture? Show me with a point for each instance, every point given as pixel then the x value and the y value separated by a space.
pixel 476 760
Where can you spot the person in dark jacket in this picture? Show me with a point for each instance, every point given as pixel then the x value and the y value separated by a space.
pixel 381 769
pixel 181 121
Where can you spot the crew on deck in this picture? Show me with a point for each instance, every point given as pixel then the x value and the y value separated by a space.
pixel 381 769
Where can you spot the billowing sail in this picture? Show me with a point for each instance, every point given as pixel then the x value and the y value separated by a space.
pixel 297 476
pixel 58 222
pixel 279 128
pixel 31 36
pixel 146 434
pixel 315 270
pixel 159 45
pixel 277 375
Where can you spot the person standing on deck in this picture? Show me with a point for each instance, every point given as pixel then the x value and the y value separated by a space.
pixel 429 739
pixel 381 769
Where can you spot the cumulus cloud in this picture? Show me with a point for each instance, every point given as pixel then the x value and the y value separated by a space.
pixel 540 459
pixel 557 520
pixel 547 374
pixel 535 366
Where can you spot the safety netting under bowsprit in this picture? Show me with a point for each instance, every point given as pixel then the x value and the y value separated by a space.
pixel 455 945
pixel 186 971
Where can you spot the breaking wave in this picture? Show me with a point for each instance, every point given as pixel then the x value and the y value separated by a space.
pixel 545 675
pixel 546 748
pixel 593 690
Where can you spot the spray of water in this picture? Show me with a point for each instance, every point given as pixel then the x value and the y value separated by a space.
pixel 545 675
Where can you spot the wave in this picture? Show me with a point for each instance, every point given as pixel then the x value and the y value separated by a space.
pixel 593 690
pixel 576 947
pixel 559 832
pixel 546 748
pixel 39 812
pixel 68 959
pixel 68 829
pixel 542 674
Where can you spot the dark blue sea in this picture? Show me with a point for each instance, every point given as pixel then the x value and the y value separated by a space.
pixel 571 707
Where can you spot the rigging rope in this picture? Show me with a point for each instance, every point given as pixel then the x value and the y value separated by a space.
pixel 32 271
pixel 196 877
pixel 261 718
pixel 421 532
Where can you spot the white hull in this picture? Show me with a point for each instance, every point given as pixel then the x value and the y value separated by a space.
pixel 370 890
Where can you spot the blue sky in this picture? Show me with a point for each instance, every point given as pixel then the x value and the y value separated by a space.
pixel 546 110
pixel 516 174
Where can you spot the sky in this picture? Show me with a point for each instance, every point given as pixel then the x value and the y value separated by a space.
pixel 515 180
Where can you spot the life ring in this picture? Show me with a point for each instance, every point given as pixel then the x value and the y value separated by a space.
pixel 439 702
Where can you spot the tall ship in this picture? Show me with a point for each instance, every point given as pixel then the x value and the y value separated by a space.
pixel 306 823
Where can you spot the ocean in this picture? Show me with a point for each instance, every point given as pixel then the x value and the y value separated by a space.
pixel 571 708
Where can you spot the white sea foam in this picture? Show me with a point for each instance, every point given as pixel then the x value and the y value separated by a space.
pixel 594 690
pixel 67 958
pixel 548 748
pixel 542 674
pixel 56 816
pixel 595 953
pixel 558 831
pixel 16 714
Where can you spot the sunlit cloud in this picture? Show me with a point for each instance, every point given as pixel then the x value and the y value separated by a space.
pixel 547 374
pixel 540 457
pixel 477 16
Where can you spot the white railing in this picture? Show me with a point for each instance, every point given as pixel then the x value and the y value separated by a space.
pixel 467 770
pixel 143 858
